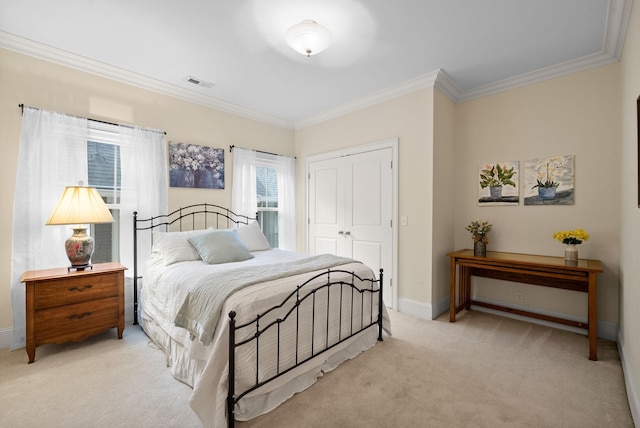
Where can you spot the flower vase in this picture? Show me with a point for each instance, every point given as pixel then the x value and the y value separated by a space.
pixel 545 193
pixel 495 192
pixel 571 253
pixel 480 248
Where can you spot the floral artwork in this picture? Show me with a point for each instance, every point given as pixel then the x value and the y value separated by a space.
pixel 195 166
pixel 498 184
pixel 549 181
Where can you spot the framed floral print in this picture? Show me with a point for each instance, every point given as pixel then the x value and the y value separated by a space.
pixel 498 184
pixel 549 181
pixel 195 166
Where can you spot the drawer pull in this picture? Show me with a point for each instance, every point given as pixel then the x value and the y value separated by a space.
pixel 84 287
pixel 79 316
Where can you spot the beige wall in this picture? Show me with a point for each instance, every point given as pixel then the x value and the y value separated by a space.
pixel 576 115
pixel 629 335
pixel 42 84
pixel 410 119
pixel 445 173
pixel 573 115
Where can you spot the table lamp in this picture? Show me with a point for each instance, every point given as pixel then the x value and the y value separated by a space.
pixel 80 205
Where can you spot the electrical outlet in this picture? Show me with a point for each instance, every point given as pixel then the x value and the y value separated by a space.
pixel 519 297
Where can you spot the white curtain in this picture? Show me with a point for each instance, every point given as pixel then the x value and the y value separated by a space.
pixel 144 161
pixel 52 154
pixel 286 202
pixel 244 196
pixel 243 193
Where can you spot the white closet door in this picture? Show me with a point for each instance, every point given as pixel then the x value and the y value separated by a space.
pixel 350 209
pixel 325 215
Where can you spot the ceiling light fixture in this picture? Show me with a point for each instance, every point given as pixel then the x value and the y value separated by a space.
pixel 308 37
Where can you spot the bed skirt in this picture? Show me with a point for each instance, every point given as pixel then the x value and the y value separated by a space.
pixel 187 359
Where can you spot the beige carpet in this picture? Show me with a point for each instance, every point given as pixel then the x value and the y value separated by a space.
pixel 482 371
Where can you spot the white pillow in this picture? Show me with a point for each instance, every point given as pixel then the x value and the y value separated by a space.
pixel 253 237
pixel 175 246
pixel 220 246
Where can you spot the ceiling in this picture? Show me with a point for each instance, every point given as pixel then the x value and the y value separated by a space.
pixel 380 48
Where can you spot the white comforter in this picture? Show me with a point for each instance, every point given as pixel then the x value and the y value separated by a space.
pixel 205 367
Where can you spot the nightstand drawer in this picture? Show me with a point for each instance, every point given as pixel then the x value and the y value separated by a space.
pixel 78 289
pixel 75 322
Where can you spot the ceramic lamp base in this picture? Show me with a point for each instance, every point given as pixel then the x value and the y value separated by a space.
pixel 79 249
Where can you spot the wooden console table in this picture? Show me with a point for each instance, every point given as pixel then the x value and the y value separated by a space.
pixel 530 269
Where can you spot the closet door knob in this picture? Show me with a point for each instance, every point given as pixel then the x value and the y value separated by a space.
pixel 340 232
pixel 347 233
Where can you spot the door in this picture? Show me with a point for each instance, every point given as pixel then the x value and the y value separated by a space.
pixel 350 210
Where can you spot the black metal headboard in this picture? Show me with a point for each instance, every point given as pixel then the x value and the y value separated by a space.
pixel 191 217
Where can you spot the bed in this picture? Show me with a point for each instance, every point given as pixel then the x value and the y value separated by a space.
pixel 245 325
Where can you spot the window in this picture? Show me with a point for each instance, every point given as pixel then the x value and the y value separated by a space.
pixel 267 202
pixel 104 173
pixel 265 183
pixel 128 164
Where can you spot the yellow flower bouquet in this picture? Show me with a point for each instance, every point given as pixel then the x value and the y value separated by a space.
pixel 571 237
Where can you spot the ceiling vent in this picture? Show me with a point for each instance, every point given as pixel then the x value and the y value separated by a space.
pixel 199 82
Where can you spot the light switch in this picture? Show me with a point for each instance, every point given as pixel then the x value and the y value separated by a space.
pixel 404 220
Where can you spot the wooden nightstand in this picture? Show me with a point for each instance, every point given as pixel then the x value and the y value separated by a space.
pixel 67 306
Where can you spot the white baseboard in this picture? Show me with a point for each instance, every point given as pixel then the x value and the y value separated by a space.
pixel 6 337
pixel 415 308
pixel 632 392
pixel 440 308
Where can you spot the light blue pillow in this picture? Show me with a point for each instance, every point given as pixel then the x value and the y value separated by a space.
pixel 220 246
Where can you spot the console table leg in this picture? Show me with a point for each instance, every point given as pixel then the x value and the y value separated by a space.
pixel 465 283
pixel 452 290
pixel 593 323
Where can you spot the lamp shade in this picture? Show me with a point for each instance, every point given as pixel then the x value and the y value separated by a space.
pixel 80 205
pixel 308 37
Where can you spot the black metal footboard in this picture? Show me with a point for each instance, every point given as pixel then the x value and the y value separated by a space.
pixel 355 301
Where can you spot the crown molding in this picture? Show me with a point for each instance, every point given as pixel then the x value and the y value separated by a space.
pixel 372 99
pixel 38 50
pixel 573 66
pixel 618 15
pixel 447 86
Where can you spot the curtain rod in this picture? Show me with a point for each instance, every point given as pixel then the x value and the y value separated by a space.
pixel 22 106
pixel 231 147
